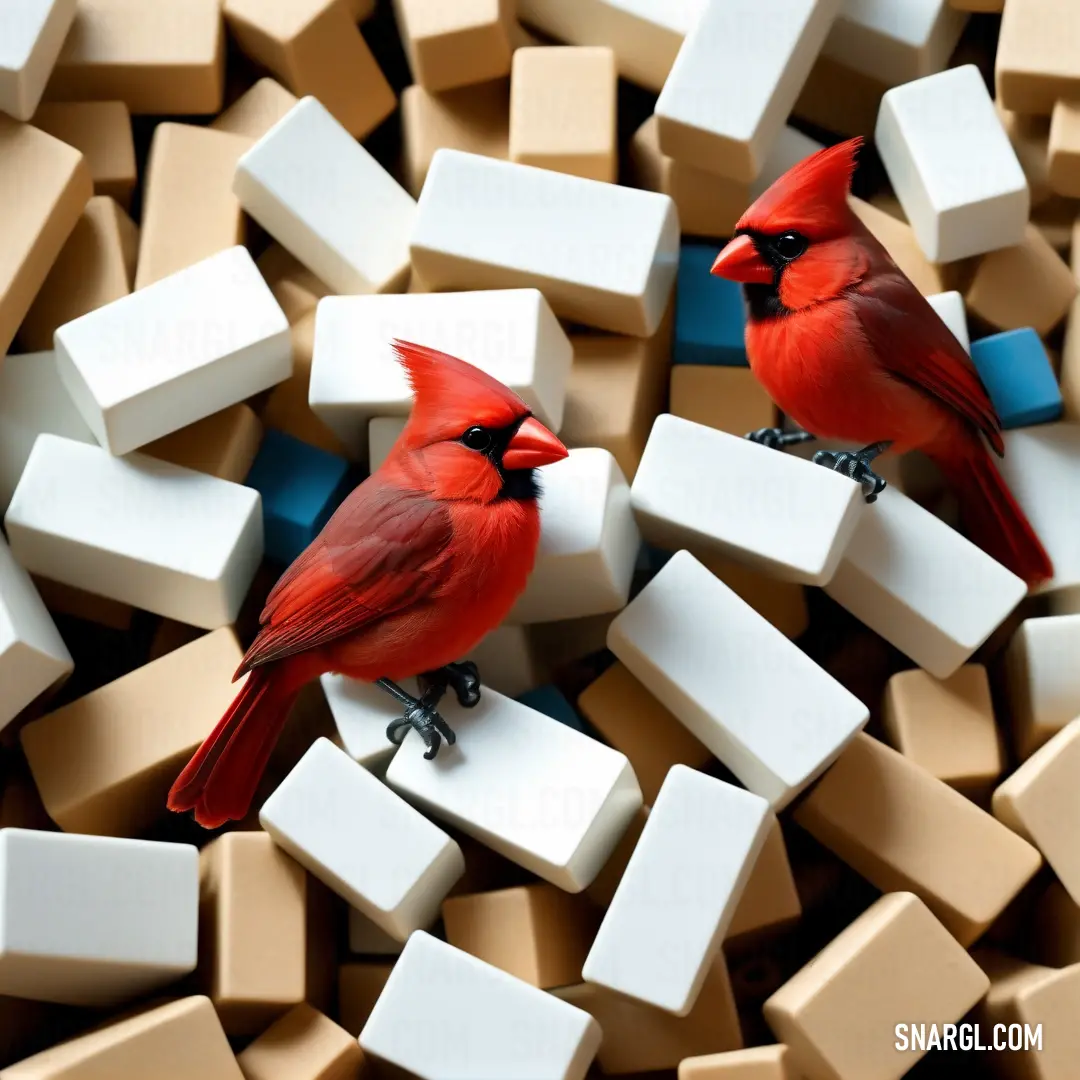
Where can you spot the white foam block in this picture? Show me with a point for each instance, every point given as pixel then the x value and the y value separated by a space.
pixel 757 701
pixel 952 165
pixel 324 198
pixel 645 34
pixel 367 939
pixel 507 661
pixel 1040 467
pixel 922 586
pixel 589 541
pixel 895 43
pixel 179 543
pixel 33 656
pixel 32 400
pixel 511 334
pixel 539 793
pixel 180 349
pixel 383 432
pixel 363 841
pixel 950 309
pixel 785 516
pixel 94 920
pixel 603 255
pixel 679 892
pixel 477 1021
pixel 361 714
pixel 736 79
pixel 32 33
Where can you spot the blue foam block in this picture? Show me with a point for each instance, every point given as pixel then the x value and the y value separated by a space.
pixel 710 315
pixel 551 702
pixel 1017 374
pixel 301 486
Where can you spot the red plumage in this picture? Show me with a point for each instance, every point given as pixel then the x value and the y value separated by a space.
pixel 423 559
pixel 848 347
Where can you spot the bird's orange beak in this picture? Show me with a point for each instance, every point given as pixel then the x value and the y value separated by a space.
pixel 740 261
pixel 532 446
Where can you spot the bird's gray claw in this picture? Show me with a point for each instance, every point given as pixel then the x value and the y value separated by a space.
pixel 772 437
pixel 856 466
pixel 464 679
pixel 427 723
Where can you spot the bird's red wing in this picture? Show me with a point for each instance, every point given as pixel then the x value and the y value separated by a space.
pixel 384 550
pixel 916 346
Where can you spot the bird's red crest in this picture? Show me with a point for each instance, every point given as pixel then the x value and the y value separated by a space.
pixel 810 198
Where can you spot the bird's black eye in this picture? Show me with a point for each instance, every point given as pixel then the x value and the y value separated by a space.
pixel 790 246
pixel 477 439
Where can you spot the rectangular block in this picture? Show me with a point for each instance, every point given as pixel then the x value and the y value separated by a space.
pixel 667 920
pixel 303 1045
pixel 65 600
pixel 781 603
pixel 174 352
pixel 761 705
pixel 224 444
pixel 603 256
pixel 93 920
pixel 736 79
pixel 898 239
pixel 535 791
pixel 1036 64
pixel 562 110
pixel 397 872
pixel 1018 374
pixel 901 828
pixel 95 267
pixel 44 188
pixel 725 398
pixel 172 541
pixel 481 1021
pixel 952 165
pixel 588 542
pixel 328 201
pixel 949 307
pixel 31 35
pixel 931 980
pixel 922 586
pixel 367 939
pixel 1063 150
pixel 774 512
pixel 510 659
pixel 297 290
pixel 362 713
pixel 359 987
pixel 256 110
pixel 33 656
pixel 510 334
pixel 770 899
pixel 175 1041
pixel 104 763
pixel 189 210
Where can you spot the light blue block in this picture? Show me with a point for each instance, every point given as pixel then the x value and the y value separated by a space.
pixel 551 702
pixel 301 486
pixel 1019 378
pixel 710 314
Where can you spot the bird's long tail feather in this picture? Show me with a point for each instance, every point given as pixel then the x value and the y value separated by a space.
pixel 220 780
pixel 991 515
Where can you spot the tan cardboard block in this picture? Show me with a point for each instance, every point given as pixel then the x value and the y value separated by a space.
pixel 303 1045
pixel 783 603
pixel 1056 922
pixel 898 239
pixel 838 99
pixel 1063 155
pixel 601 891
pixel 1038 55
pixel 770 898
pixel 67 600
pixel 1030 137
pixel 1069 374
pixel 256 111
pixel 727 398
pixel 224 444
pixel 294 286
pixel 758 1063
pixel 359 987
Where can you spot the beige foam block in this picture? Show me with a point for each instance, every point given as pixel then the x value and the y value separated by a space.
pixel 898 239
pixel 986 6
pixel 316 49
pixel 359 987
pixel 839 99
pixel 727 398
pixel 615 390
pixel 1030 137
pixel 641 1038
pixel 1038 55
pixel 473 118
pixel 256 111
pixel 44 188
pixel 361 9
pixel 902 828
pixel 601 891
pixel 451 45
pixel 104 763
pixel 294 286
pixel 101 130
pixel 635 723
pixel 562 110
pixel 1056 922
pixel 758 1063
pixel 223 444
pixel 257 917
pixel 783 603
pixel 177 1041
pixel 894 964
pixel 1026 285
pixel 770 899
pixel 1069 375
pixel 536 932
pixel 1055 219
pixel 189 209
pixel 303 1045
pixel 95 267
pixel 946 726
pixel 67 600
pixel 1041 802
pixel 1022 993
pixel 1064 149
pixel 164 59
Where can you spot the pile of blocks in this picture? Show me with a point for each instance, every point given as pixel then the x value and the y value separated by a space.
pixel 760 770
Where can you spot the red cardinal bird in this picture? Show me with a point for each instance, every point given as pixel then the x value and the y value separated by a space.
pixel 848 348
pixel 415 567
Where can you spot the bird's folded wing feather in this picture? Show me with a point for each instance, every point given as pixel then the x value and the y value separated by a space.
pixel 383 550
pixel 916 346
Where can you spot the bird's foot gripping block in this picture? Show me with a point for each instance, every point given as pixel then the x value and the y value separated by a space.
pixel 422 715
pixel 856 464
pixel 777 438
